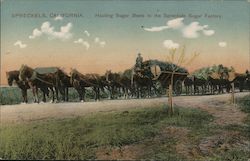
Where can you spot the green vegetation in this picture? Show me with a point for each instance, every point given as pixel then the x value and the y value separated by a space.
pixel 244 103
pixel 236 154
pixel 79 138
pixel 204 72
pixel 156 135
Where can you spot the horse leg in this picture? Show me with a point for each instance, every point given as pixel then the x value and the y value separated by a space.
pixel 62 91
pixel 97 94
pixel 80 93
pixel 67 94
pixel 36 95
pixel 24 94
pixel 44 97
pixel 56 90
pixel 53 94
pixel 126 93
pixel 95 90
pixel 33 92
pixel 149 91
pixel 137 92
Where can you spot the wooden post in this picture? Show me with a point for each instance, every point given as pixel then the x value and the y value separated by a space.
pixel 232 94
pixel 170 96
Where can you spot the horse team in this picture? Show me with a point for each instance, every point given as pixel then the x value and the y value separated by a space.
pixel 127 84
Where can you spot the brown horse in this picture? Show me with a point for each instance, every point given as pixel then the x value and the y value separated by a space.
pixel 13 76
pixel 142 79
pixel 218 81
pixel 36 80
pixel 117 81
pixel 65 84
pixel 80 82
pixel 188 83
pixel 200 84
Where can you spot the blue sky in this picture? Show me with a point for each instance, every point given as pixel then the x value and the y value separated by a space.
pixel 119 39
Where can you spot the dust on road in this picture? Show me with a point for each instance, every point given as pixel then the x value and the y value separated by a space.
pixel 217 105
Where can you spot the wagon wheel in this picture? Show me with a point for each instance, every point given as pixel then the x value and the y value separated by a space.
pixel 178 87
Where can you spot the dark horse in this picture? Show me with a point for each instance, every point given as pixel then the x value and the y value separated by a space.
pixel 117 81
pixel 13 76
pixel 65 84
pixel 142 79
pixel 36 80
pixel 199 84
pixel 188 83
pixel 113 80
pixel 218 81
pixel 80 82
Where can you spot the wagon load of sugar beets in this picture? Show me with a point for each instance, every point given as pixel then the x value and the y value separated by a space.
pixel 164 66
pixel 205 72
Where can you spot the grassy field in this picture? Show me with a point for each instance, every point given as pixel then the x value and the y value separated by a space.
pixel 80 138
pixel 134 134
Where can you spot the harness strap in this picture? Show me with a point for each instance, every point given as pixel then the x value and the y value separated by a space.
pixel 88 82
pixel 34 76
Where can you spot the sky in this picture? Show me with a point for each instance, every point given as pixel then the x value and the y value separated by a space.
pixel 95 36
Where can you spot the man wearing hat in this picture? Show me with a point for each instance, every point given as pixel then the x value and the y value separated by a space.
pixel 139 60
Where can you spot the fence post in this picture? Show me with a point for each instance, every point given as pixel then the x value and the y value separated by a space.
pixel 170 96
pixel 233 94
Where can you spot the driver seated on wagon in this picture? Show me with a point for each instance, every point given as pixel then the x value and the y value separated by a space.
pixel 138 63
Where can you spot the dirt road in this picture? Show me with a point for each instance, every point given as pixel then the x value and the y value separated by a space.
pixel 218 105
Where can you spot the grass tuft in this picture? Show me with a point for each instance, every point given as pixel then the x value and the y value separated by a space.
pixel 78 138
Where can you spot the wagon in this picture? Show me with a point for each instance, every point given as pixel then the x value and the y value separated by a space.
pixel 161 73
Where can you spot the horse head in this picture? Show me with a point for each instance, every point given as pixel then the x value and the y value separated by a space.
pixel 12 76
pixel 25 72
pixel 107 75
pixel 73 74
pixel 9 78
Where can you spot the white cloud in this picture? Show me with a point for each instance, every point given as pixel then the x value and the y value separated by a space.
pixel 81 41
pixel 59 17
pixel 102 43
pixel 175 23
pixel 208 32
pixel 156 29
pixel 222 44
pixel 86 44
pixel 87 33
pixel 188 31
pixel 192 30
pixel 169 44
pixel 20 44
pixel 64 32
pixel 97 40
pixel 36 33
pixel 46 28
